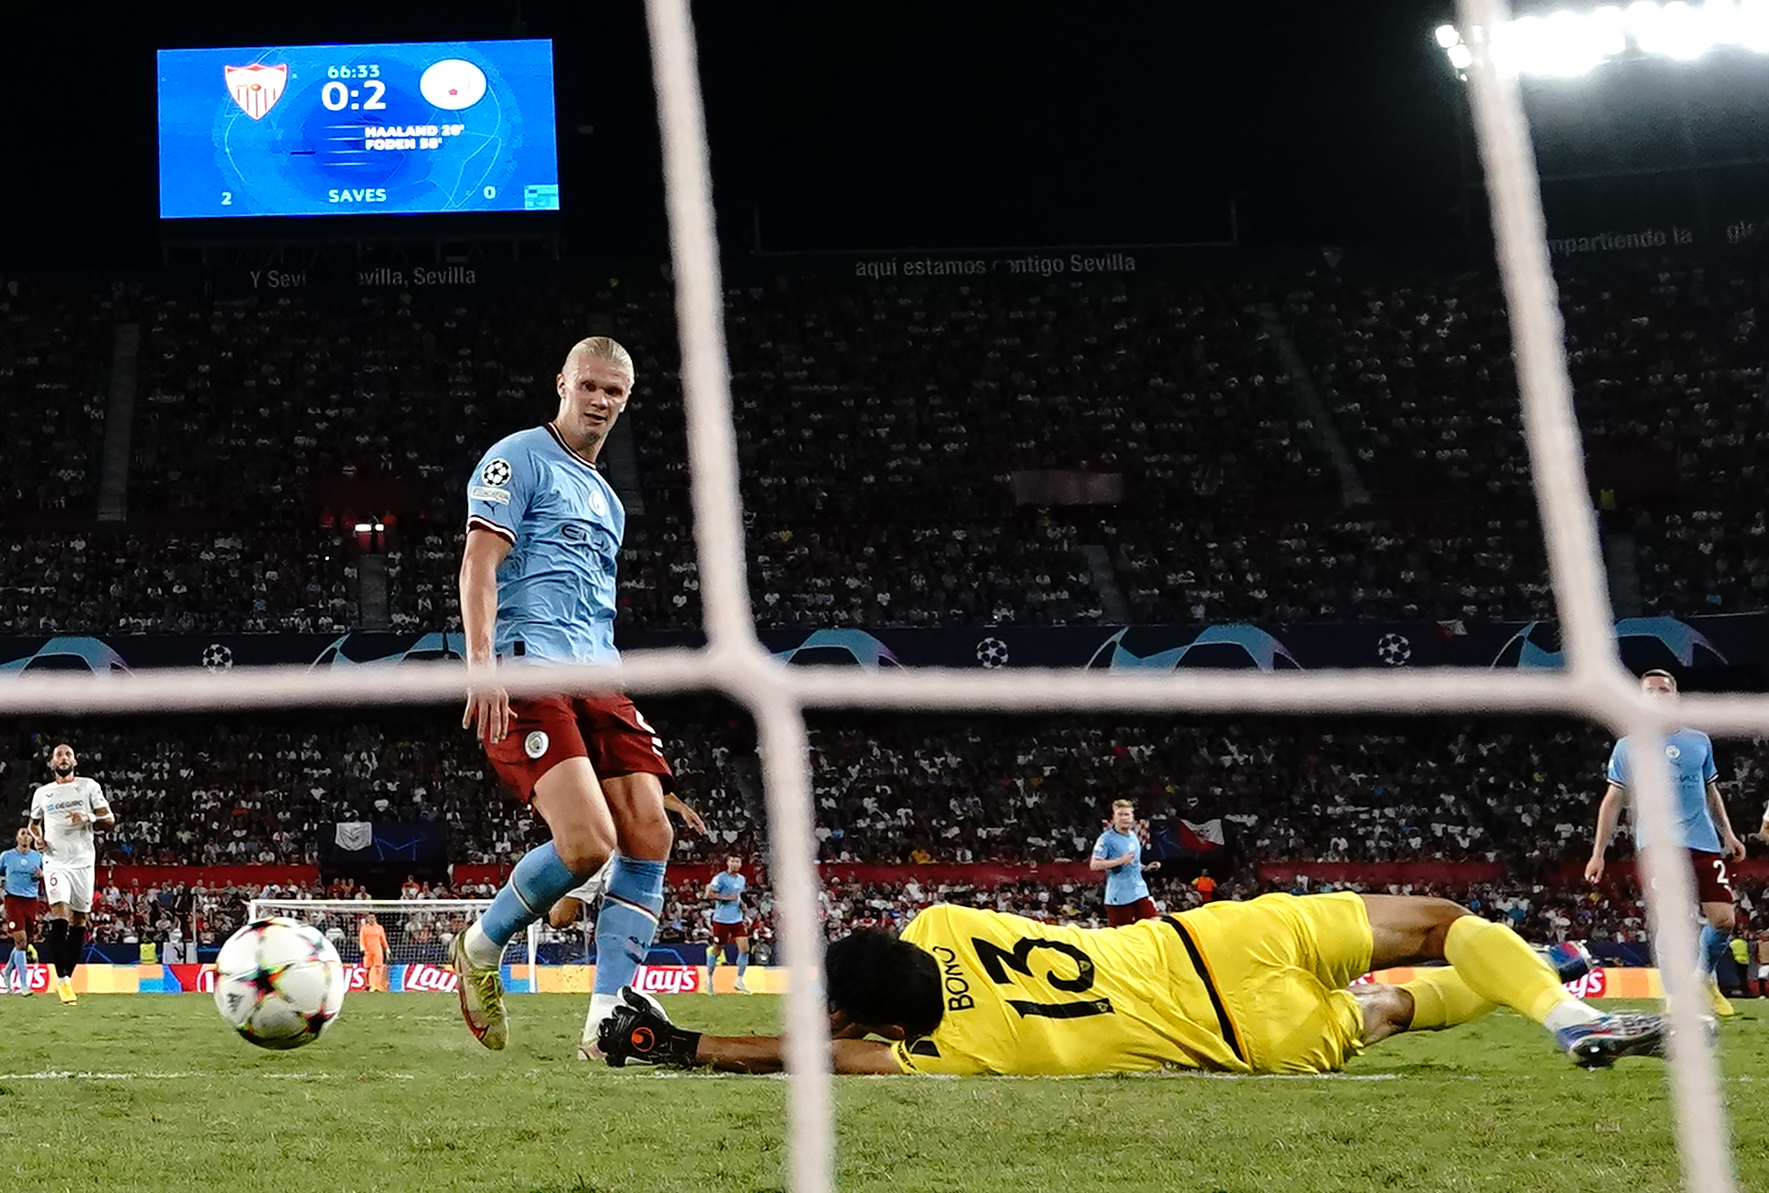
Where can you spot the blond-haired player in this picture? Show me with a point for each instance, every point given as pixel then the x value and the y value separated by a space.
pixel 1118 852
pixel 544 530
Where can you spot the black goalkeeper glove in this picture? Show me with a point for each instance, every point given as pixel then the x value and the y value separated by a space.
pixel 637 1031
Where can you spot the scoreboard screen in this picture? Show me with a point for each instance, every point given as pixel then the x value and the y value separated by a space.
pixel 402 128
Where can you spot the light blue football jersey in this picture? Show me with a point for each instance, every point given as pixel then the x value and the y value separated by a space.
pixel 20 870
pixel 727 883
pixel 556 587
pixel 1124 884
pixel 1691 757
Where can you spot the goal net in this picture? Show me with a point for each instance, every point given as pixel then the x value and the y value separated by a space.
pixel 1591 684
pixel 418 935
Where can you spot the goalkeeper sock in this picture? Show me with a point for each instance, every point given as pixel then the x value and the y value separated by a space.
pixel 1442 999
pixel 1713 947
pixel 539 880
pixel 627 923
pixel 1498 966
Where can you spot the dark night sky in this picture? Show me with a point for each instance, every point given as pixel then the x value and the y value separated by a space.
pixel 876 125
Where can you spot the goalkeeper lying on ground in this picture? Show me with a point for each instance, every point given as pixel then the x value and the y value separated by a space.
pixel 1256 987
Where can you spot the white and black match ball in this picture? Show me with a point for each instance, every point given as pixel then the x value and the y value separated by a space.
pixel 992 652
pixel 279 983
pixel 1394 650
pixel 217 657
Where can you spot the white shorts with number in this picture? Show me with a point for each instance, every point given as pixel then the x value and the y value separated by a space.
pixel 69 884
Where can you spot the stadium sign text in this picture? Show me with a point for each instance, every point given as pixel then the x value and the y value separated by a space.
pixel 297 279
pixel 668 979
pixel 1097 261
pixel 1616 242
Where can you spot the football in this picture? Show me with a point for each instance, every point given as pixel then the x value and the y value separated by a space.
pixel 279 983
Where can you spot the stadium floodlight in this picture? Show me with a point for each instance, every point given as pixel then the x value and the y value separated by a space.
pixel 1567 43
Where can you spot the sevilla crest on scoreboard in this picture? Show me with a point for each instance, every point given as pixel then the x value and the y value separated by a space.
pixel 256 88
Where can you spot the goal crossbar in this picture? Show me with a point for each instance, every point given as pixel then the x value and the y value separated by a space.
pixel 348 912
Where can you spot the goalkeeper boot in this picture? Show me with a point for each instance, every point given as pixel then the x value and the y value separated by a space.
pixel 482 996
pixel 602 1008
pixel 64 989
pixel 1601 1042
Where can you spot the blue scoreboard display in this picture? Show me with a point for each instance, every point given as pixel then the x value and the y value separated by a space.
pixel 358 130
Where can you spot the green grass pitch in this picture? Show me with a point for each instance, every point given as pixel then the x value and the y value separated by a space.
pixel 153 1092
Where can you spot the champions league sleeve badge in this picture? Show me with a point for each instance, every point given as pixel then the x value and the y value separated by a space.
pixel 256 88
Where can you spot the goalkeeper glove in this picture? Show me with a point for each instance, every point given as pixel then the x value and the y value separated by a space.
pixel 636 1031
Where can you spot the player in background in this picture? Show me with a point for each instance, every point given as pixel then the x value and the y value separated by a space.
pixel 729 925
pixel 371 938
pixel 572 906
pixel 1255 987
pixel 21 868
pixel 63 812
pixel 537 587
pixel 1703 828
pixel 1119 853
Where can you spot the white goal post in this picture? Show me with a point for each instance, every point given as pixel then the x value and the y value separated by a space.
pixel 418 930
pixel 734 662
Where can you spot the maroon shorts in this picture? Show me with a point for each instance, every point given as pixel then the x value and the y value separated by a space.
pixel 21 913
pixel 606 729
pixel 1120 914
pixel 728 933
pixel 1712 883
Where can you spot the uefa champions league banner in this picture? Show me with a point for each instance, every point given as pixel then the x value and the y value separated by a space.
pixel 1733 649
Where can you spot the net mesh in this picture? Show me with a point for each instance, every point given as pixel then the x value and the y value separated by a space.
pixel 1592 684
pixel 418 930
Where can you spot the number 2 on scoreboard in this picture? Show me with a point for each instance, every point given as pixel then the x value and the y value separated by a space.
pixel 227 198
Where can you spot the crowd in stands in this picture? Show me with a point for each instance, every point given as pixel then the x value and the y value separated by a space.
pixel 107 580
pixel 1349 567
pixel 879 427
pixel 177 917
pixel 232 790
pixel 56 351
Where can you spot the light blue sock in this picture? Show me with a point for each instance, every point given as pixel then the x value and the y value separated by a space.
pixel 1713 947
pixel 627 923
pixel 713 952
pixel 742 964
pixel 537 882
pixel 16 979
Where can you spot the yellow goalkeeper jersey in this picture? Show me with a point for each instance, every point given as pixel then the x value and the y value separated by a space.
pixel 1024 997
